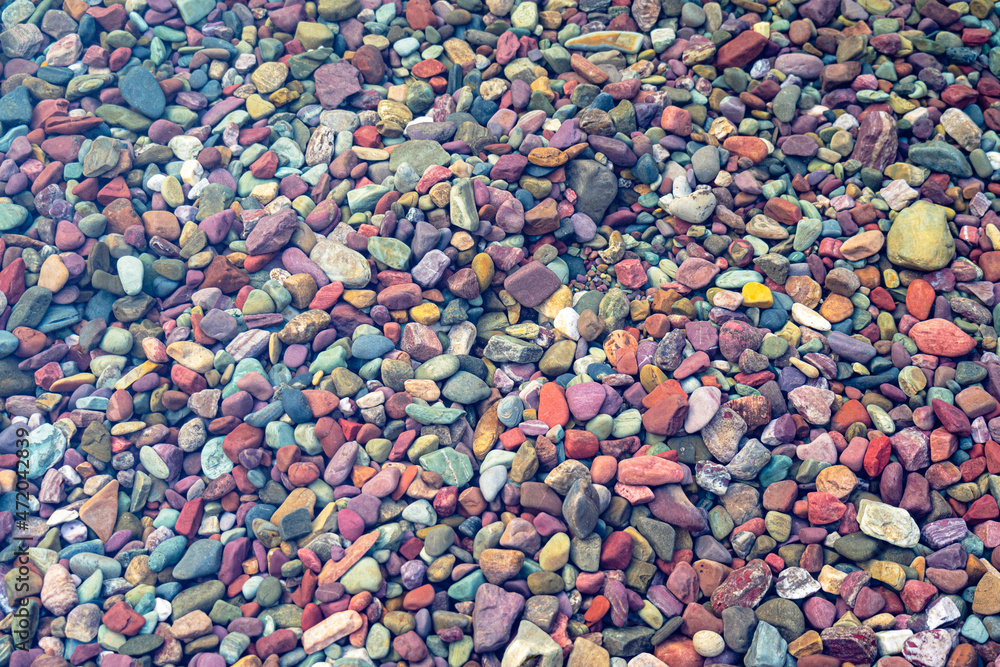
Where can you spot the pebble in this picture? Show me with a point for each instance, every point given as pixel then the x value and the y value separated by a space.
pixel 602 334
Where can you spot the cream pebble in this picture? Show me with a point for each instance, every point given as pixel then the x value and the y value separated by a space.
pixel 708 644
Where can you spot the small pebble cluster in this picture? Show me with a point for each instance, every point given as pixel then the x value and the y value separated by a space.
pixel 499 333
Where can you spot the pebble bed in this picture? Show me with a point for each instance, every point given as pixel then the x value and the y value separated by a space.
pixel 495 333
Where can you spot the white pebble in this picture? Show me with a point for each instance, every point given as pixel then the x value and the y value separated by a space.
pixel 566 323
pixel 185 147
pixel 708 644
pixel 191 170
pixel 155 182
pixel 250 586
pixel 197 189
pixel 846 122
pixel 163 609
pixel 227 521
pixel 346 407
pixel 70 475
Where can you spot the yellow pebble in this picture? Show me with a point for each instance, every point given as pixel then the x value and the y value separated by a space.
pixel 808 370
pixel 555 554
pixel 890 278
pixel 651 377
pixel 791 333
pixel 8 481
pixel 482 266
pixel 363 298
pixel 651 616
pixel 993 234
pixel 426 313
pixel 756 295
pixel 887 572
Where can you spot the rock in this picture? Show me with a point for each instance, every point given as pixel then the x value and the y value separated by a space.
pixel 334 627
pixel 336 82
pixel 341 264
pixel 531 644
pixel 890 524
pixel 494 616
pixel 100 511
pixel 767 649
pixel 201 559
pixel 876 144
pixel 595 187
pixel 745 587
pixel 695 207
pixel 919 237
pixel 941 337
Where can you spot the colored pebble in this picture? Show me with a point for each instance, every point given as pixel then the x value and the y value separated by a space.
pixel 600 333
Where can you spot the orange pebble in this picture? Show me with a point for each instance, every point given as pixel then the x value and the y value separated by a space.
pixel 597 610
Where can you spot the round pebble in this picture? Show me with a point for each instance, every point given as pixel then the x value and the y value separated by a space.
pixel 608 334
